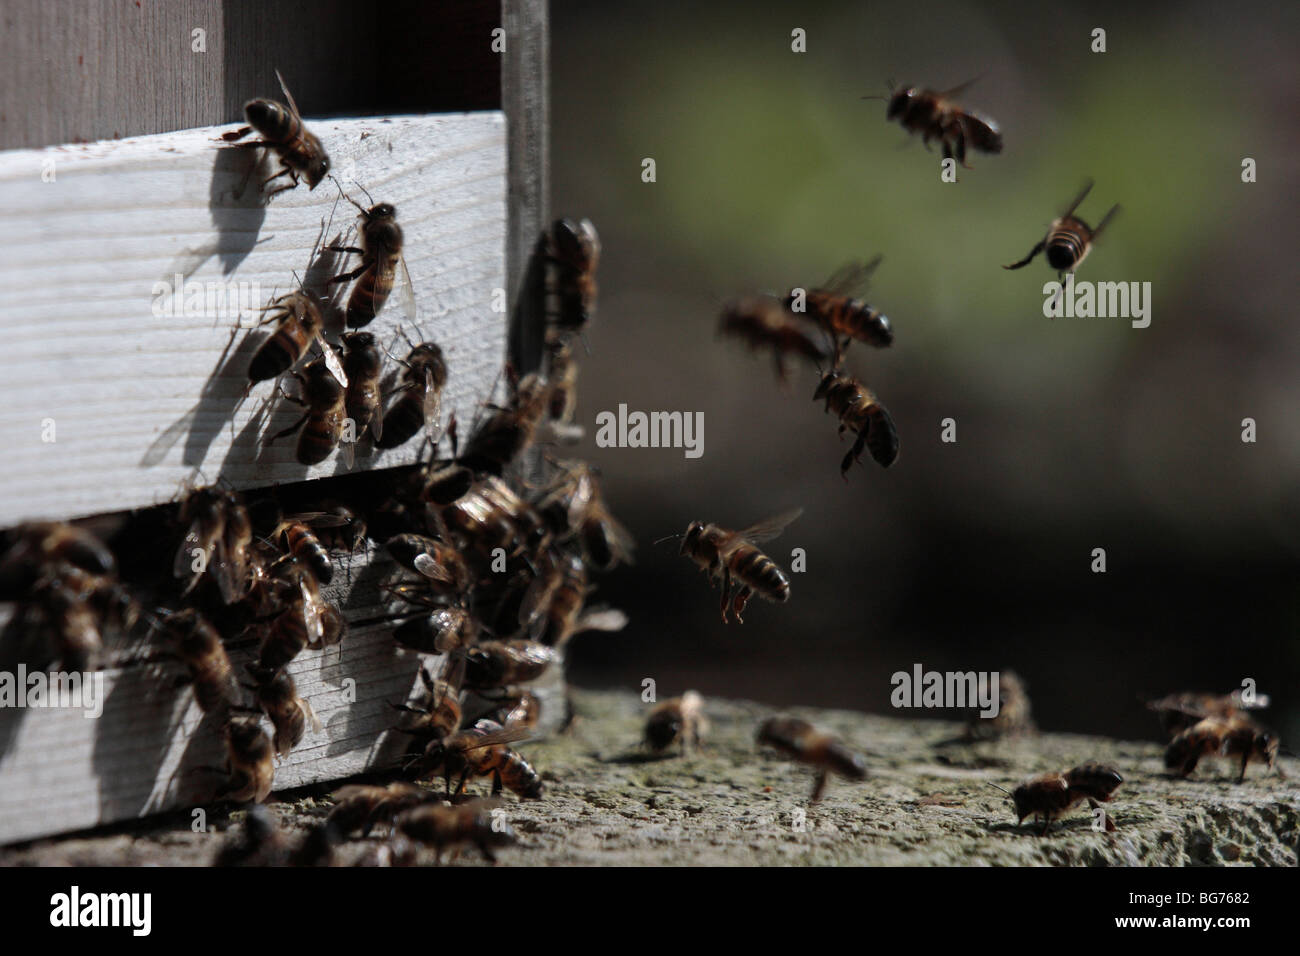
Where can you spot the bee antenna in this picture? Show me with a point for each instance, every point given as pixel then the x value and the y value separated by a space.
pixel 364 190
pixel 667 537
pixel 996 787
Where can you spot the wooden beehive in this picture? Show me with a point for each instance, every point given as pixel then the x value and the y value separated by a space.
pixel 111 397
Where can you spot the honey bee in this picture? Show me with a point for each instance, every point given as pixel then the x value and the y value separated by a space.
pixel 316 848
pixel 443 827
pixel 763 322
pixel 441 631
pixel 31 548
pixel 574 504
pixel 289 714
pixel 734 555
pixel 573 249
pixel 302 623
pixel 1234 736
pixel 859 411
pixel 934 116
pixel 420 404
pixel 1050 795
pixel 519 707
pixel 562 373
pixel 217 542
pixel 250 762
pixel 441 717
pixel 363 806
pixel 841 316
pixel 1177 712
pixel 363 365
pixel 381 255
pixel 200 649
pixel 346 533
pixel 506 433
pixel 490 515
pixel 496 663
pixel 802 741
pixel 299 324
pixel 554 607
pixel 322 424
pixel 1014 713
pixel 305 546
pixel 1069 239
pixel 262 842
pixel 63 597
pixel 283 130
pixel 679 720
pixel 436 561
pixel 481 751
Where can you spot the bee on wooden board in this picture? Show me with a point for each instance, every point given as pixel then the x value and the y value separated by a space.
pixel 678 720
pixel 290 715
pixel 441 631
pixel 734 556
pixel 497 663
pixel 282 130
pixel 802 741
pixel 217 542
pixel 859 411
pixel 443 827
pixel 438 718
pixel 381 258
pixel 508 431
pixel 844 318
pixel 306 621
pixel 420 402
pixel 1230 737
pixel 199 647
pixel 30 549
pixel 1051 795
pixel 491 515
pixel 322 424
pixel 299 324
pixel 363 365
pixel 573 251
pixel 250 762
pixel 764 322
pixel 935 116
pixel 1177 712
pixel 1069 239
pixel 438 562
pixel 302 541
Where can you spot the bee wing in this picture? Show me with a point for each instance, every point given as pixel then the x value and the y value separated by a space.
pixel 852 275
pixel 310 714
pixel 535 602
pixel 311 610
pixel 433 413
pixel 1083 194
pixel 621 541
pixel 602 619
pixel 377 421
pixel 769 528
pixel 182 565
pixel 229 571
pixel 431 569
pixel 405 290
pixel 333 364
pixel 321 519
pixel 959 88
pixel 506 735
pixel 1104 221
pixel 287 95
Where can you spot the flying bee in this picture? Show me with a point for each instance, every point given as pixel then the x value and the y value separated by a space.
pixel 199 647
pixel 289 714
pixel 420 404
pixel 1069 239
pixel 322 424
pixel 299 324
pixel 506 433
pixel 859 411
pixel 363 806
pixel 844 318
pixel 283 130
pixel 574 504
pixel 437 561
pixel 31 548
pixel 496 663
pixel 75 625
pixel 679 720
pixel 1235 736
pixel 935 116
pixel 1050 795
pixel 802 741
pixel 381 255
pixel 442 827
pixel 249 761
pixel 218 538
pixel 763 322
pixel 573 250
pixel 363 364
pixel 1177 712
pixel 735 555
pixel 518 707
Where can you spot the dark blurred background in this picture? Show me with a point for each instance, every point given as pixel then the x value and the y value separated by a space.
pixel 1072 434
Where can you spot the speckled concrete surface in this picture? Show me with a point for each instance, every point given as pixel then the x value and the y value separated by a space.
pixel 925 805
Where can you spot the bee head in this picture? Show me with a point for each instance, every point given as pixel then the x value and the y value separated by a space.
pixel 381 210
pixel 884 332
pixel 1023 801
pixel 824 386
pixel 358 340
pixel 900 101
pixel 692 537
pixel 317 171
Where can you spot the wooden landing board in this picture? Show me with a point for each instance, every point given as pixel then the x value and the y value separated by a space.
pixel 109 402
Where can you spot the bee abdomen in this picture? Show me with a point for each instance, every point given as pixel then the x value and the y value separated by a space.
pixel 762 574
pixel 402 421
pixel 272 120
pixel 272 359
pixel 1065 248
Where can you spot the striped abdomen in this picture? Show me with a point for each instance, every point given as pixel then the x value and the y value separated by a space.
pixel 321 433
pixel 853 318
pixel 1068 244
pixel 371 292
pixel 306 547
pixel 285 640
pixel 759 572
pixel 515 773
pixel 278 353
pixel 404 419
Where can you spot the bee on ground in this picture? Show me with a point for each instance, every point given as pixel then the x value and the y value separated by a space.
pixel 802 741
pixel 282 130
pixel 1229 737
pixel 445 827
pixel 678 720
pixel 1069 239
pixel 1050 795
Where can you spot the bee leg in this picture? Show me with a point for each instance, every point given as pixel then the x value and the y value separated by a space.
pixel 1046 826
pixel 487 852
pixel 290 430
pixel 349 276
pixel 819 787
pixel 1245 759
pixel 284 169
pixel 240 133
pixel 738 605
pixel 726 591
pixel 496 784
pixel 1042 243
